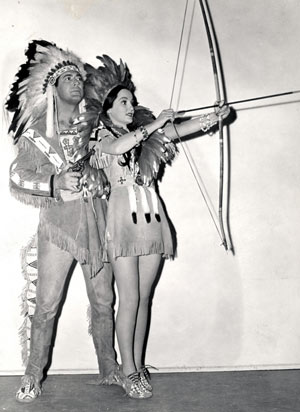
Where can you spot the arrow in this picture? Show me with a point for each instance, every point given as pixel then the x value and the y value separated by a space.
pixel 240 101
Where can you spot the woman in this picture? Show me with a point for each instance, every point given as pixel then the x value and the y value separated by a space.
pixel 131 145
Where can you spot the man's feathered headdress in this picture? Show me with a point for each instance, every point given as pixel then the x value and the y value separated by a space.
pixel 100 82
pixel 31 94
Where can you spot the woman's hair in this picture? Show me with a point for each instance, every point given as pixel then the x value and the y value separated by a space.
pixel 112 95
pixel 124 160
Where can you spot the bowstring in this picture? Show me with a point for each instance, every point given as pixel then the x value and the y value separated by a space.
pixel 184 145
pixel 179 51
pixel 197 177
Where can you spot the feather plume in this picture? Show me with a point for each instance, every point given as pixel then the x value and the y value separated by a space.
pixel 27 98
pixel 155 150
pixel 101 81
pixel 152 152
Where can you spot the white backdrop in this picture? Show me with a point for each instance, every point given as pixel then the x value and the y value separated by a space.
pixel 211 310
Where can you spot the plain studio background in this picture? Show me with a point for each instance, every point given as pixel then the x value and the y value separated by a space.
pixel 211 310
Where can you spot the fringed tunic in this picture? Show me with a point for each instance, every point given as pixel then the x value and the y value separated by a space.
pixel 69 222
pixel 136 221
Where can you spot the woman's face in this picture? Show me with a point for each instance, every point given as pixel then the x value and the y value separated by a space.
pixel 122 111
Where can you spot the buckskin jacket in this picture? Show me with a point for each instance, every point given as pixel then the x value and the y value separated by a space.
pixel 71 221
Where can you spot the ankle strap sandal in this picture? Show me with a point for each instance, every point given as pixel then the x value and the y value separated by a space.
pixel 134 387
pixel 145 376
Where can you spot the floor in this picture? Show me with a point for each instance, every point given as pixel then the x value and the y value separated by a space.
pixel 255 391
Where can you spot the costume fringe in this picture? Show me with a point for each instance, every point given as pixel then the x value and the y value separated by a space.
pixel 28 296
pixel 67 243
pixel 89 319
pixel 135 249
pixel 100 162
pixel 24 342
pixel 29 199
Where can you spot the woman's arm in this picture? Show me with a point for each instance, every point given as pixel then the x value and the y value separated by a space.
pixel 203 122
pixel 127 141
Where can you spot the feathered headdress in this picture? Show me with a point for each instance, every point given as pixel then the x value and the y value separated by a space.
pixel 100 82
pixel 31 95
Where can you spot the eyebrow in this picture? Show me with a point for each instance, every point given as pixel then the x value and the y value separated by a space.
pixel 72 75
pixel 126 98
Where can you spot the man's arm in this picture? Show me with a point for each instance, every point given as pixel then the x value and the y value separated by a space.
pixel 31 177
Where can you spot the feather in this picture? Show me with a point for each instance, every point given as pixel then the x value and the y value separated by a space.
pixel 157 148
pixel 102 80
pixel 27 98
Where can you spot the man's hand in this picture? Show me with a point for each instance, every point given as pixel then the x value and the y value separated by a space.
pixel 68 181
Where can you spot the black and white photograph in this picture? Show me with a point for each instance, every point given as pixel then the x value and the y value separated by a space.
pixel 150 206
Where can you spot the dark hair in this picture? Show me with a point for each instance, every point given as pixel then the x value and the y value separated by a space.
pixel 112 95
pixel 124 160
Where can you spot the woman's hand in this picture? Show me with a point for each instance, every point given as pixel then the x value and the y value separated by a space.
pixel 222 110
pixel 164 117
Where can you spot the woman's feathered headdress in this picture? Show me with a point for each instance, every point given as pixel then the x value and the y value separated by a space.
pixel 100 82
pixel 31 94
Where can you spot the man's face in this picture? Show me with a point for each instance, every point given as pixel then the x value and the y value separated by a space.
pixel 70 87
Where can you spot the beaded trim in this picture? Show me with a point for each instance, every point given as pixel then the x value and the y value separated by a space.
pixel 144 132
pixel 205 122
pixel 52 77
pixel 68 132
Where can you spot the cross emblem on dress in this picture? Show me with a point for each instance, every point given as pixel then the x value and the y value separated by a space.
pixel 121 180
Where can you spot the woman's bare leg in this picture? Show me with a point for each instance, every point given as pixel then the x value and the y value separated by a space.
pixel 148 268
pixel 126 275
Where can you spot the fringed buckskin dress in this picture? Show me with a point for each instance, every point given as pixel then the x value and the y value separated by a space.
pixel 136 221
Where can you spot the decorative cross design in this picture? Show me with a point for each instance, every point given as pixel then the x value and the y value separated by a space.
pixel 68 146
pixel 121 180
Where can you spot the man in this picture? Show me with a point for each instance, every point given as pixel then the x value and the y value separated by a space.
pixel 45 99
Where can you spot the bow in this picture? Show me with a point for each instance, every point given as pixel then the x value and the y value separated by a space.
pixel 220 97
pixel 224 234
